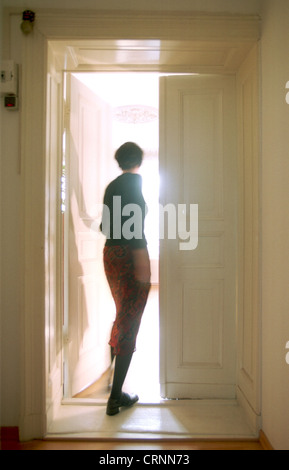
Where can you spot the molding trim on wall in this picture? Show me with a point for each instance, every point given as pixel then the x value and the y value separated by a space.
pixel 169 25
pixel 118 24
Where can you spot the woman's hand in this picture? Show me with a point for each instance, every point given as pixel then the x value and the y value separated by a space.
pixel 142 268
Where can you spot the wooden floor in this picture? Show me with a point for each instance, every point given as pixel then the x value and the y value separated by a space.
pixel 10 441
pixel 133 445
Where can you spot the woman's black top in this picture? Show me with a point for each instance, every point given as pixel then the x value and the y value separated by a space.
pixel 124 212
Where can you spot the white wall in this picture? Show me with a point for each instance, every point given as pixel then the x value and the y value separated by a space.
pixel 275 186
pixel 275 213
pixel 10 254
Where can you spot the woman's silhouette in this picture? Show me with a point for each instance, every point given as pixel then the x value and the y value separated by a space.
pixel 126 264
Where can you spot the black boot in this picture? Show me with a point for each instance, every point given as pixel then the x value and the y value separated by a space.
pixel 117 397
pixel 114 404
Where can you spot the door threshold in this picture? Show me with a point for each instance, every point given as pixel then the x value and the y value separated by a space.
pixel 147 438
pixel 168 419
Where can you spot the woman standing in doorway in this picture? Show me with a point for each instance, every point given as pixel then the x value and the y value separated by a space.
pixel 126 264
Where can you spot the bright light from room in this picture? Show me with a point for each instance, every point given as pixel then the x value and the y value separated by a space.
pixel 134 102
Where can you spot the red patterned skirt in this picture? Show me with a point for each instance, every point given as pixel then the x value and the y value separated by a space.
pixel 130 297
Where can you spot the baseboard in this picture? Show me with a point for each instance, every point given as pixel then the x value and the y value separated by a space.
pixel 253 418
pixel 264 441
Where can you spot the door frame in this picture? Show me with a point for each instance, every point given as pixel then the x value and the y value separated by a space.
pixel 35 277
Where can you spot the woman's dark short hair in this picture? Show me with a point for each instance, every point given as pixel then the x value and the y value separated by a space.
pixel 129 156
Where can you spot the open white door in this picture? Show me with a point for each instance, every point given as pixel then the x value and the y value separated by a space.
pixel 198 288
pixel 88 317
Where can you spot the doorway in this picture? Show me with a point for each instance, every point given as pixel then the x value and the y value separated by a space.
pixel 198 291
pixel 106 110
pixel 178 358
pixel 198 322
pixel 186 42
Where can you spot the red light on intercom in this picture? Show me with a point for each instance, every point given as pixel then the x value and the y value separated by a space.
pixel 10 102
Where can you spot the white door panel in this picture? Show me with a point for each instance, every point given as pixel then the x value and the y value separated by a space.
pixel 89 319
pixel 198 287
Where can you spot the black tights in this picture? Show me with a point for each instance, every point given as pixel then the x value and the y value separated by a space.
pixel 121 367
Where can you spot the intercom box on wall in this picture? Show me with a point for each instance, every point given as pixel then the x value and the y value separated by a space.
pixel 9 78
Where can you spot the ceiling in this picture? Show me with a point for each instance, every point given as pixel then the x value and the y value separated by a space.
pixel 151 55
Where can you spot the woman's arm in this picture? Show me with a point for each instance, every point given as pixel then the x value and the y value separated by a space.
pixel 142 268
